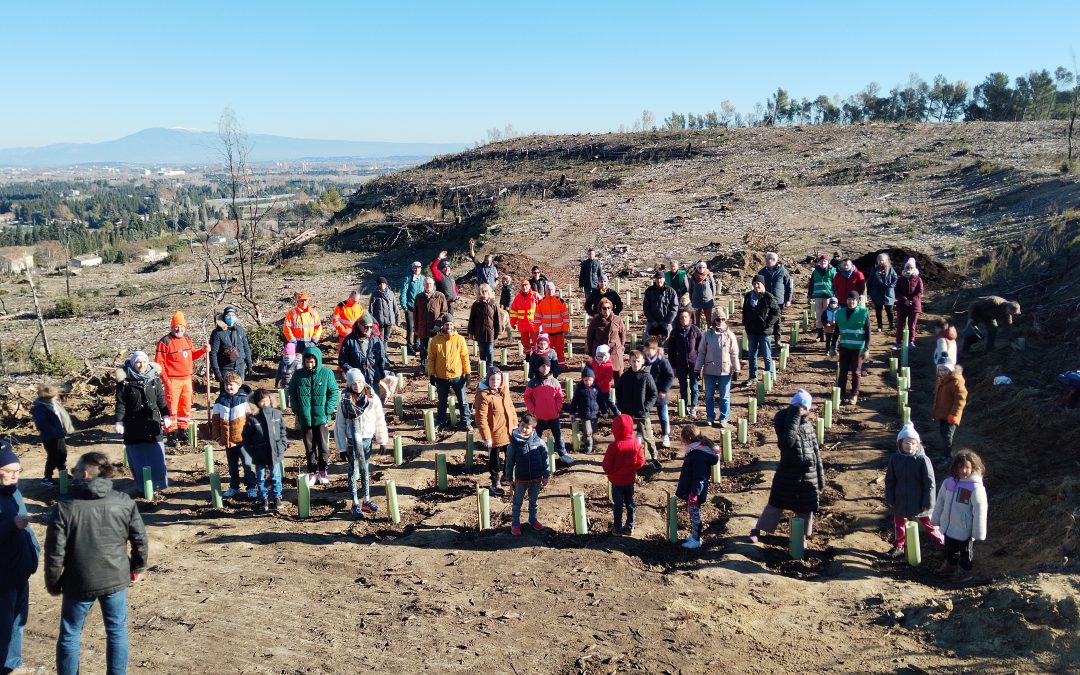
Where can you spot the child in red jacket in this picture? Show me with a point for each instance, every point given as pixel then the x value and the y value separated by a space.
pixel 623 458
pixel 604 372
pixel 544 398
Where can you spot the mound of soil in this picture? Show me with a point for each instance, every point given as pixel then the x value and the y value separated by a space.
pixel 931 270
pixel 520 266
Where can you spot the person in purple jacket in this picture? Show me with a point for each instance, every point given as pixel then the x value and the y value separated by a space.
pixel 681 350
pixel 909 292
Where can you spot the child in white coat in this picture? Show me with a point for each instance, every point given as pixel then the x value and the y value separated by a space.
pixel 360 420
pixel 960 512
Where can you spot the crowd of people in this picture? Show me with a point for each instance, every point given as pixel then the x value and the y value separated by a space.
pixel 96 543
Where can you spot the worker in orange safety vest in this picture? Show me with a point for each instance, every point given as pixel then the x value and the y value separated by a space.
pixel 302 324
pixel 523 315
pixel 554 318
pixel 176 354
pixel 345 315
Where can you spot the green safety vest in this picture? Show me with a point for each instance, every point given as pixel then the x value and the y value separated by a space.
pixel 823 282
pixel 852 329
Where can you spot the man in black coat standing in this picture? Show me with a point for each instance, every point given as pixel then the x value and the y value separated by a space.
pixel 661 304
pixel 230 351
pixel 592 301
pixel 87 560
pixel 589 276
pixel 760 312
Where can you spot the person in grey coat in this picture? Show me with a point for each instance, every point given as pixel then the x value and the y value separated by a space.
pixel 703 290
pixel 230 351
pixel 881 287
pixel 778 283
pixel 589 274
pixel 909 488
pixel 383 308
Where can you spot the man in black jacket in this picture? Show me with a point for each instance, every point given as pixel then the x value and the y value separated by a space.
pixel 592 301
pixel 760 313
pixel 230 351
pixel 635 394
pixel 589 276
pixel 778 284
pixel 86 560
pixel 661 304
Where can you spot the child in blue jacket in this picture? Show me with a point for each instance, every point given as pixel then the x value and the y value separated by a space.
pixel 527 466
pixel 585 407
pixel 700 457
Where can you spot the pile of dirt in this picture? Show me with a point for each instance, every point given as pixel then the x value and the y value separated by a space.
pixel 519 267
pixel 932 271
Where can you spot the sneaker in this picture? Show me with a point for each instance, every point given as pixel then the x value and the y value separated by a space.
pixel 854 399
pixel 896 346
pixel 617 531
pixel 755 535
pixel 694 413
pixel 369 507
pixel 275 504
pixel 230 493
pixel 311 480
pixel 536 524
pixel 497 490
pixel 252 493
pixel 723 424
pixel 666 441
pixel 912 345
pixel 322 478
pixel 515 530
pixel 895 552
pixel 357 512
pixel 566 459
pixel 712 423
pixel 657 465
pixel 845 401
pixel 692 543
pixel 262 506
pixel 628 531
pixel 752 384
pixel 963 576
pixel 48 482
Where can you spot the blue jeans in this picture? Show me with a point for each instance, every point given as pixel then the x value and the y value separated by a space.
pixel 273 473
pixel 520 489
pixel 236 459
pixel 72 615
pixel 714 384
pixel 358 467
pixel 443 387
pixel 662 412
pixel 14 608
pixel 688 388
pixel 759 344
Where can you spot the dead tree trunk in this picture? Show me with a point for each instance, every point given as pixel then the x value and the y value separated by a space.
pixel 40 318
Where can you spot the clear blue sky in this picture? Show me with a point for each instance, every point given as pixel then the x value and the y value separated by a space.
pixel 444 71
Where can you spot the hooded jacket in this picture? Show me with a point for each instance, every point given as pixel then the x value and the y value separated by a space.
pixel 526 458
pixel 635 393
pixel 544 397
pixel 761 319
pixel 494 413
pixel 585 404
pixel 950 397
pixel 86 543
pixel 604 374
pixel 945 347
pixel 51 420
pixel 221 339
pixel 909 483
pixel 546 355
pixel 696 470
pixel 799 475
pixel 313 394
pixel 909 292
pixel 411 286
pixel 661 304
pixel 19 549
pixel 592 303
pixel 265 436
pixel 702 289
pixel 427 309
pixel 448 356
pixel 140 405
pixel 777 282
pixel 624 455
pixel 960 508
pixel 610 332
pixel 366 354
pixel 881 286
pixel 682 347
pixel 485 322
pixel 718 354
pixel 370 424
pixel 228 416
pixel 662 374
pixel 382 307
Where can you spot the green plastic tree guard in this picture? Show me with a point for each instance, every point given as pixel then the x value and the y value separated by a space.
pixel 725 454
pixel 283 400
pixel 147 484
pixel 905 415
pixel 912 545
pixel 575 434
pixel 569 394
pixel 551 460
pixel 682 407
pixel 828 414
pixel 193 436
pixel 429 425
pixel 581 519
pixel 451 404
pixel 742 431
pixel 761 392
pixel 431 392
pixel 610 497
pixel 399 454
pixel 399 406
pixel 504 356
pixel 470 444
pixel 569 344
pixel 894 364
pixel 731 307
pixel 901 402
pixel 821 431
pixel 482 367
pixel 63 480
pixel 440 471
pixel 672 519
pixel 525 369
pixel 215 490
pixel 483 508
pixel 208 457
pixel 392 502
pixel 618 285
pixel 751 410
pixel 125 458
pixel 794 335
pixel 784 353
pixel 798 537
pixel 836 398
pixel 404 355
pixel 303 496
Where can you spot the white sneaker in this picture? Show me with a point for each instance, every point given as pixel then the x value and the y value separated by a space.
pixel 323 479
pixel 694 413
pixel 311 480
pixel 692 543
pixel 666 442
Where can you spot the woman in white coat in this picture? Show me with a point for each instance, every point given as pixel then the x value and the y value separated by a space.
pixel 360 421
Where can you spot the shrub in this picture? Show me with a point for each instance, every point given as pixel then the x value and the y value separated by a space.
pixel 128 291
pixel 58 364
pixel 266 342
pixel 85 293
pixel 67 308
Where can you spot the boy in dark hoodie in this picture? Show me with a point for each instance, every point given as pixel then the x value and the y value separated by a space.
pixel 265 442
pixel 53 424
pixel 636 396
pixel 527 468
pixel 663 376
pixel 544 399
pixel 694 478
pixel 622 460
pixel 585 408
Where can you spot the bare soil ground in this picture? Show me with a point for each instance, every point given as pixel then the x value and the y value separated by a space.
pixel 229 591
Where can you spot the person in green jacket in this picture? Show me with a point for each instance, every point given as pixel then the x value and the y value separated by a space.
pixel 313 396
pixel 820 290
pixel 675 276
pixel 853 324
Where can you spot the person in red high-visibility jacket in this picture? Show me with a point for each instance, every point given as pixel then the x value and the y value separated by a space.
pixel 302 324
pixel 176 354
pixel 523 316
pixel 554 318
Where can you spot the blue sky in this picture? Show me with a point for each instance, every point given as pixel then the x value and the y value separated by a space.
pixel 447 71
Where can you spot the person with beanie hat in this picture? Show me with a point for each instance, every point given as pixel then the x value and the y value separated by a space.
pixel 54 426
pixel 313 396
pixel 909 488
pixel 945 346
pixel 760 312
pixel 360 421
pixel 383 308
pixel 541 353
pixel 950 399
pixel 622 459
pixel 230 351
pixel 853 331
pixel 141 415
pixel 828 324
pixel 444 278
pixel 800 475
pixel 496 419
pixel 604 378
pixel 19 555
pixel 286 366
pixel 848 278
pixel 365 351
pixel 660 303
pixel 909 293
pixel 176 355
pixel 585 407
pixel 820 289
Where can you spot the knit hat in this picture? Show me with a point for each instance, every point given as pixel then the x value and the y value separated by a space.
pixel 7 455
pixel 586 371
pixel 137 356
pixel 382 280
pixel 943 362
pixel 658 274
pixel 911 263
pixel 178 320
pixel 908 432
pixel 802 399
pixel 290 349
pixel 366 319
pixel 833 301
pixel 227 311
pixel 758 279
pixel 444 319
pixel 603 349
pixel 603 277
pixel 853 295
pixel 354 375
pixel 493 370
pixel 542 336
pixel 823 258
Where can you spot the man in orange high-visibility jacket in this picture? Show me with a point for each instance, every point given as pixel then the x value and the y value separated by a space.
pixel 302 324
pixel 176 355
pixel 345 315
pixel 554 317
pixel 523 316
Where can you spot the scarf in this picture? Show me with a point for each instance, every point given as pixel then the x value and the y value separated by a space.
pixel 136 376
pixel 353 409
pixel 65 418
pixel 699 276
pixel 847 273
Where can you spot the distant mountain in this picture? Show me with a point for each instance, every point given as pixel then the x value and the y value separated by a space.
pixel 186 146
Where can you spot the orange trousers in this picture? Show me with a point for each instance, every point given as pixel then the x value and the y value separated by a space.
pixel 178 396
pixel 558 343
pixel 528 337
